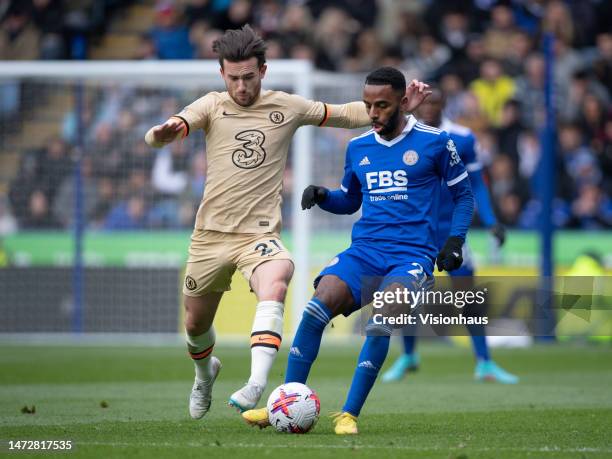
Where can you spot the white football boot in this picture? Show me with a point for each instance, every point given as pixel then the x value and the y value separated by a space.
pixel 246 398
pixel 201 393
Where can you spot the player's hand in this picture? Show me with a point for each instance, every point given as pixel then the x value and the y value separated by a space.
pixel 167 132
pixel 499 233
pixel 416 93
pixel 450 257
pixel 313 195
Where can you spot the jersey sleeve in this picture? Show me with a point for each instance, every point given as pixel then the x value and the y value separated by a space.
pixel 197 114
pixel 308 112
pixel 453 172
pixel 448 161
pixel 469 154
pixel 348 198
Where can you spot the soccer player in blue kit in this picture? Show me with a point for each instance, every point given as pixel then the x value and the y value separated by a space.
pixel 431 113
pixel 393 173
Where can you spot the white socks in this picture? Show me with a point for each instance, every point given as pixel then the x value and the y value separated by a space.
pixel 266 337
pixel 200 349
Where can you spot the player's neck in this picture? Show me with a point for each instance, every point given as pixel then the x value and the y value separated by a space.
pixel 397 131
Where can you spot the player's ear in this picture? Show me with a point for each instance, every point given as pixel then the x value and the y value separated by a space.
pixel 404 103
pixel 262 70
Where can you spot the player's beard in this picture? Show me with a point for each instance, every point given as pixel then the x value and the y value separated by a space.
pixel 391 125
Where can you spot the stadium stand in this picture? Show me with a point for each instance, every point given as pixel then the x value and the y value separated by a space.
pixel 486 56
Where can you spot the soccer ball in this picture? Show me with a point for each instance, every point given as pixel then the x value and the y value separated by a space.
pixel 293 408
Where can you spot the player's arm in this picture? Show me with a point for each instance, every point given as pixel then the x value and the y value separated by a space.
pixel 346 200
pixel 174 128
pixel 353 114
pixel 179 126
pixel 455 175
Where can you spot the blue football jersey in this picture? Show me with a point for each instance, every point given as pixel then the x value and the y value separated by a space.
pixel 466 144
pixel 398 183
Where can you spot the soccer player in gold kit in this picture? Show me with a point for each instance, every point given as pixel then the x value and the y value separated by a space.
pixel 248 131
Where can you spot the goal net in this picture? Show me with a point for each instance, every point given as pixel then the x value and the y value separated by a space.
pixel 94 224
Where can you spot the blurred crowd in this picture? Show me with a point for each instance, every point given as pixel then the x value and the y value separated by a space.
pixel 125 185
pixel 52 29
pixel 486 55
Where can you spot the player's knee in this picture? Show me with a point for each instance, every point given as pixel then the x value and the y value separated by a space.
pixel 335 294
pixel 195 326
pixel 274 291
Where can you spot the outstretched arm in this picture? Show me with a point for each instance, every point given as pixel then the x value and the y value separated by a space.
pixel 353 114
pixel 163 134
pixel 336 201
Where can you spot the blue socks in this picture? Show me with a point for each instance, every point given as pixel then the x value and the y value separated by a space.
pixel 479 341
pixel 409 343
pixel 305 346
pixel 371 359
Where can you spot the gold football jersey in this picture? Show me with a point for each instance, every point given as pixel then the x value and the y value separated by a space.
pixel 246 152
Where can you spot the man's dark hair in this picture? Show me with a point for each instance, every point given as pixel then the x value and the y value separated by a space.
pixel 387 76
pixel 239 45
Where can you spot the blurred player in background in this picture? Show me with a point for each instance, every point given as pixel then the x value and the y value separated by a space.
pixel 431 113
pixel 393 173
pixel 248 131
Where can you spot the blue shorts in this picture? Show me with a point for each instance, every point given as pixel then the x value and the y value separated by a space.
pixel 359 265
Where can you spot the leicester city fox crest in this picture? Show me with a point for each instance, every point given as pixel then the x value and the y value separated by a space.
pixel 251 153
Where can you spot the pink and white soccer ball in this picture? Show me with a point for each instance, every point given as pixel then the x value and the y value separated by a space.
pixel 293 408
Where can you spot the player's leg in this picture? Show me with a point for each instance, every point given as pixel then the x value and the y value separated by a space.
pixel 336 287
pixel 207 275
pixel 376 345
pixel 267 266
pixel 486 368
pixel 199 315
pixel 269 282
pixel 407 362
pixel 332 297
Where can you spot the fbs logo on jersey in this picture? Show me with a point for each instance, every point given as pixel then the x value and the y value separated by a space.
pixel 385 181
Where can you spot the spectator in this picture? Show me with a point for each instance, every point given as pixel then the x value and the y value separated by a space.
pixel 19 37
pixel 578 160
pixel 509 131
pixel 501 34
pixel 591 210
pixel 39 214
pixel 147 49
pixel 171 38
pixel 64 203
pixel 239 13
pixel 430 55
pixel 48 16
pixel 366 53
pixel 493 89
pixel 332 35
pixel 170 170
pixel 129 214
pixel 530 92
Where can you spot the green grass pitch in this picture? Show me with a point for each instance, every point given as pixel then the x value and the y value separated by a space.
pixel 562 407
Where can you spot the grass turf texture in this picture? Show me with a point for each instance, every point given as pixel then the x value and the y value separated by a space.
pixel 561 408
